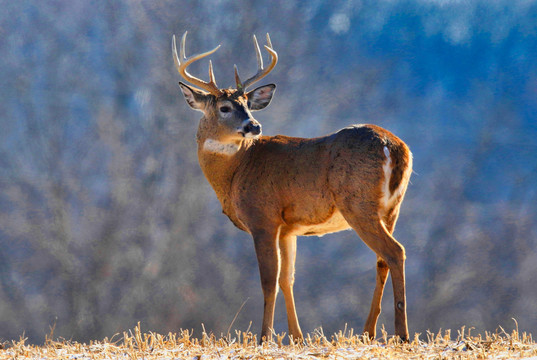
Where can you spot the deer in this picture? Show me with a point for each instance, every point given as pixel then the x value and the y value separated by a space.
pixel 276 188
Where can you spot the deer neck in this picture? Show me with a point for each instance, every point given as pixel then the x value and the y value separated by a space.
pixel 219 162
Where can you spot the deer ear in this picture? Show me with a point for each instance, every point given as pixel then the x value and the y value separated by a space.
pixel 260 98
pixel 195 98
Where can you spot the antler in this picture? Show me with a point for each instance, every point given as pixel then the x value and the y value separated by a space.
pixel 261 73
pixel 183 62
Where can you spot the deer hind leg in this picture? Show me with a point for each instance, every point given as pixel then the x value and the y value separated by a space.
pixel 287 279
pixel 370 327
pixel 268 259
pixel 374 233
pixel 382 275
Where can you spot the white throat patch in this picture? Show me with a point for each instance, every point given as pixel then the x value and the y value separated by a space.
pixel 218 147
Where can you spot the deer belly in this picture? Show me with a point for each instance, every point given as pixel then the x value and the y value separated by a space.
pixel 334 223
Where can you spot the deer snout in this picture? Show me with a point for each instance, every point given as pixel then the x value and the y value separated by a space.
pixel 250 128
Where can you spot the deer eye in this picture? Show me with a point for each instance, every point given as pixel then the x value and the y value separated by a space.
pixel 225 109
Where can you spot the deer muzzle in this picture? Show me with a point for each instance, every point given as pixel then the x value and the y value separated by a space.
pixel 251 128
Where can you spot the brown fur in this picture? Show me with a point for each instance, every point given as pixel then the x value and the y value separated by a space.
pixel 294 185
pixel 278 187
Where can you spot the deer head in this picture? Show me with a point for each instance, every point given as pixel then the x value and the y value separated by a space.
pixel 227 112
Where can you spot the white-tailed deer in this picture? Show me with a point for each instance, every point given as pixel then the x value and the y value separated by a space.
pixel 278 187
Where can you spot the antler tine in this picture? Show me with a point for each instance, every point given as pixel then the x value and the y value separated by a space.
pixel 211 73
pixel 237 78
pixel 174 51
pixel 182 63
pixel 182 48
pixel 269 43
pixel 258 54
pixel 261 73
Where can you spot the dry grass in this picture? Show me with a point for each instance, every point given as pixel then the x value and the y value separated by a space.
pixel 243 345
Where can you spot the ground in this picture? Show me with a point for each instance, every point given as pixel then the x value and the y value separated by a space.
pixel 136 344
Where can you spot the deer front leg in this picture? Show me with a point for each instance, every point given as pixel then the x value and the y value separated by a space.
pixel 287 280
pixel 268 259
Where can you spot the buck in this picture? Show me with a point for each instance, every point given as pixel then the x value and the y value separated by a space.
pixel 279 187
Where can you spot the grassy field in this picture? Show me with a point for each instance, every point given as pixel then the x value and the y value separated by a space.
pixel 136 344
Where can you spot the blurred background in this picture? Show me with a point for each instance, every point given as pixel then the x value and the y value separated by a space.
pixel 107 220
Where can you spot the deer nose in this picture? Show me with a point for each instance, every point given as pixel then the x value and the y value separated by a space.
pixel 251 128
